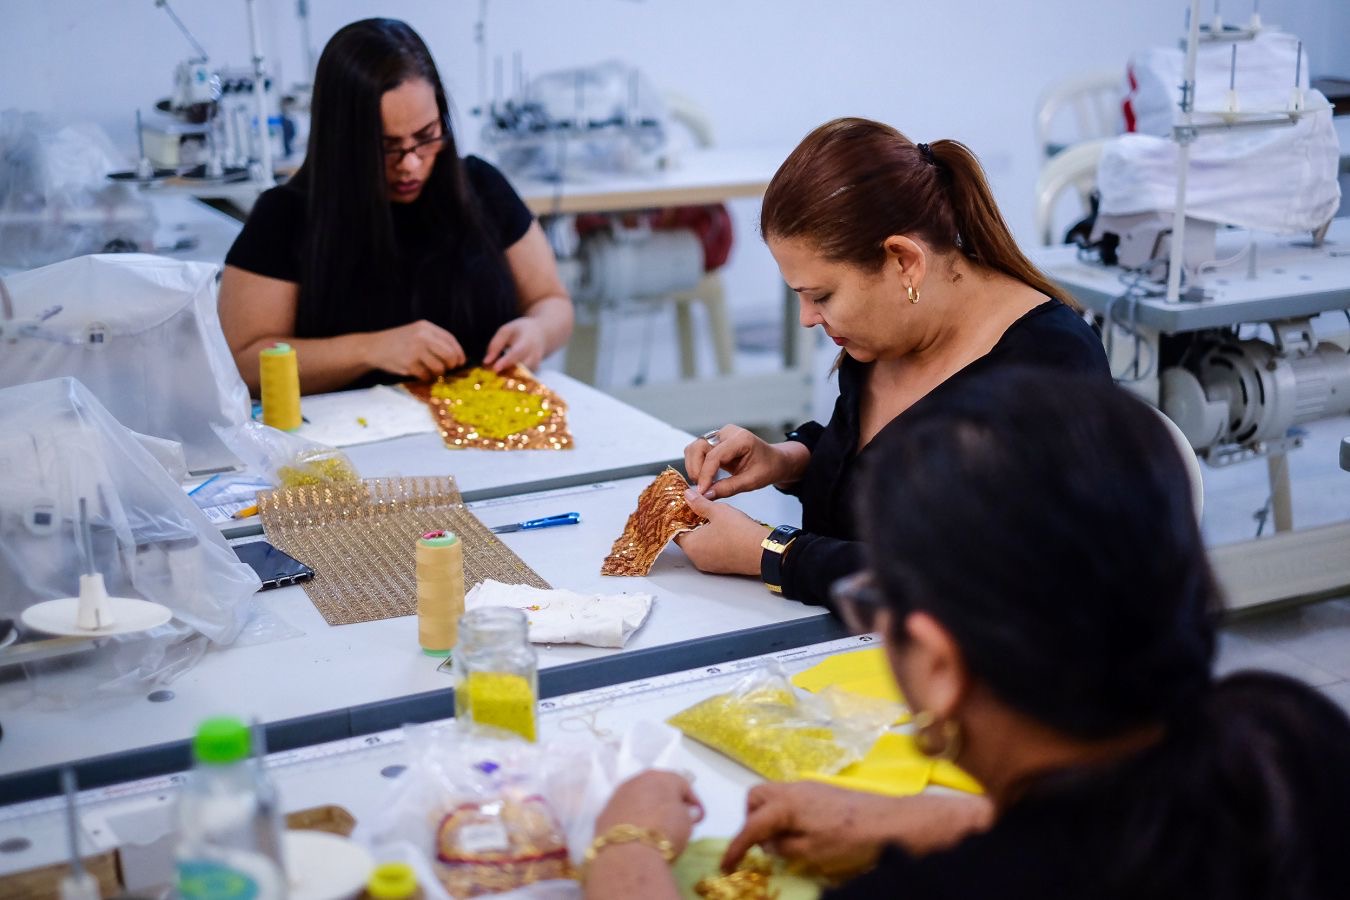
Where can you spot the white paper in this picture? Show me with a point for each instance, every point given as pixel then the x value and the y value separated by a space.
pixel 363 417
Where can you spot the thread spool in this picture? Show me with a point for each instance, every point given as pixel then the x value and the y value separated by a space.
pixel 440 591
pixel 279 377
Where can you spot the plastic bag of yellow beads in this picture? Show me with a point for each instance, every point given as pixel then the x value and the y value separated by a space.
pixel 769 727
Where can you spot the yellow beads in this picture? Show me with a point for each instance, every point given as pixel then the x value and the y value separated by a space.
pixel 485 401
pixel 763 729
pixel 325 469
pixel 499 699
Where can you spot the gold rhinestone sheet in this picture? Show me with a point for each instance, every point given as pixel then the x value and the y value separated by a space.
pixel 360 540
pixel 660 515
pixel 477 408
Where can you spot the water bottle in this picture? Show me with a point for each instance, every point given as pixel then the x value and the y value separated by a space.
pixel 229 826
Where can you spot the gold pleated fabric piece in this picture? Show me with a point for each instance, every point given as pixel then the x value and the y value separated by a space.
pixel 661 514
pixel 477 408
pixel 360 539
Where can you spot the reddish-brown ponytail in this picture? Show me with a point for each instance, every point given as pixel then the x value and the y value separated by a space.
pixel 852 183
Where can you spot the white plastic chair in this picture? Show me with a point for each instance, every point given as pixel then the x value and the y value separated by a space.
pixel 1093 98
pixel 1193 471
pixel 1074 167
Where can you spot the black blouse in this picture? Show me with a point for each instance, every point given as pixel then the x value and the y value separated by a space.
pixel 461 282
pixel 826 550
pixel 1169 823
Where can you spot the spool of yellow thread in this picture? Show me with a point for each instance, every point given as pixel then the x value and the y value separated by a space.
pixel 440 591
pixel 279 376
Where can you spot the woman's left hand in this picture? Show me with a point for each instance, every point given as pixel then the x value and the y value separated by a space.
pixel 729 544
pixel 520 341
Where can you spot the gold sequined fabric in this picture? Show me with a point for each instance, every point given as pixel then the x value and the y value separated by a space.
pixel 750 881
pixel 360 540
pixel 477 408
pixel 661 514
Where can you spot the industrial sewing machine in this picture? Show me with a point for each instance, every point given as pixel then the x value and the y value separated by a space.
pixel 1234 332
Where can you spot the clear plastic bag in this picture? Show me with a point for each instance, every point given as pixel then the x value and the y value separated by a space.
pixel 55 199
pixel 783 734
pixel 59 446
pixel 561 787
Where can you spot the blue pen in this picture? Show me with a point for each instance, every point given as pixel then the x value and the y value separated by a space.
pixel 546 522
pixel 203 484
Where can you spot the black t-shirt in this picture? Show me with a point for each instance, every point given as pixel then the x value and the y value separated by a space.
pixel 1052 335
pixel 455 279
pixel 1260 818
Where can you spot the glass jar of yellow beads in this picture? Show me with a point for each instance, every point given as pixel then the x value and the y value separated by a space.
pixel 496 670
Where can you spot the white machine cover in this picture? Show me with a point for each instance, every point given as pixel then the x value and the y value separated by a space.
pixel 141 332
pixel 58 444
pixel 1281 179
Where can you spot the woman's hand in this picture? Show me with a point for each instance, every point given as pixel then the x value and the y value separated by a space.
pixel 838 832
pixel 518 341
pixel 729 544
pixel 662 801
pixel 422 350
pixel 753 463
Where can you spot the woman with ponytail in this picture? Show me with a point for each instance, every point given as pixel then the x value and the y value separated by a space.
pixel 898 252
pixel 1041 587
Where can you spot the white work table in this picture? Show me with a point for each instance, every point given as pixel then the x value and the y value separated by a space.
pixel 611 440
pixel 696 177
pixel 355 772
pixel 338 680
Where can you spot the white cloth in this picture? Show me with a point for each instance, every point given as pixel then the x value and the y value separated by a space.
pixel 362 417
pixel 566 617
pixel 1280 179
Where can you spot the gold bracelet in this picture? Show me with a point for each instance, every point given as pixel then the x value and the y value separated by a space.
pixel 624 833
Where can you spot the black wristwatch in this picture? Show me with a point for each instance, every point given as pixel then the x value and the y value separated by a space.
pixel 771 559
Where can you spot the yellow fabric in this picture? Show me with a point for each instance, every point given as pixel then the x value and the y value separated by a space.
pixel 894 766
pixel 864 672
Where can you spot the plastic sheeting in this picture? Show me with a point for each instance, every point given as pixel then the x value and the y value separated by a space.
pixel 1281 179
pixel 55 199
pixel 59 445
pixel 142 333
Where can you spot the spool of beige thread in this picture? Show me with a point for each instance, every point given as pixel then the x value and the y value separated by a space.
pixel 440 591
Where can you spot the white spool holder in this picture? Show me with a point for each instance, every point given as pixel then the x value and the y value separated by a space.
pixel 94 613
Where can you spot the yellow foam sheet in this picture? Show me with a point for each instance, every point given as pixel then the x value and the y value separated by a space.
pixel 893 766
pixel 864 672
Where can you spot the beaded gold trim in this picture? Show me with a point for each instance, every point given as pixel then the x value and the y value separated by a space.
pixel 477 408
pixel 360 539
pixel 661 514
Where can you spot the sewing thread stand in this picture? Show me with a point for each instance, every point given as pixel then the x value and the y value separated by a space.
pixel 94 613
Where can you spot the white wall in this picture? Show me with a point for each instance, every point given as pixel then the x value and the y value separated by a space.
pixel 766 72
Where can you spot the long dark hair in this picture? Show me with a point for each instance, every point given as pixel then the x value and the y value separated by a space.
pixel 349 256
pixel 852 183
pixel 1046 522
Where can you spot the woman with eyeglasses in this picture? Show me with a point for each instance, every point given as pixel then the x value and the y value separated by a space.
pixel 898 252
pixel 387 257
pixel 1041 587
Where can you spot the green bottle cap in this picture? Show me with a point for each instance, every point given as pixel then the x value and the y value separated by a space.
pixel 392 881
pixel 220 741
pixel 278 349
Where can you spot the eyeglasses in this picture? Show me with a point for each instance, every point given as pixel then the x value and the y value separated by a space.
pixel 857 598
pixel 424 150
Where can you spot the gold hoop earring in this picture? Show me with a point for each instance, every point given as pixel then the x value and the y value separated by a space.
pixel 912 294
pixel 936 738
